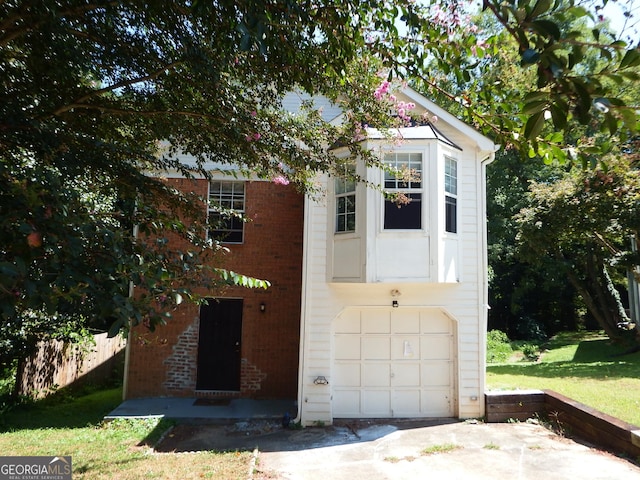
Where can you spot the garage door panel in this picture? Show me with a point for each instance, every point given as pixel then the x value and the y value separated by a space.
pixel 402 323
pixel 405 347
pixel 376 321
pixel 376 375
pixel 406 402
pixel 435 347
pixel 347 375
pixel 376 348
pixel 436 374
pixel 376 402
pixel 347 402
pixel 405 375
pixel 347 347
pixel 434 323
pixel 348 322
pixel 436 403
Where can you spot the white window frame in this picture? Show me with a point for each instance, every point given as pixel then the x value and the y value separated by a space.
pixel 415 190
pixel 227 201
pixel 345 201
pixel 450 195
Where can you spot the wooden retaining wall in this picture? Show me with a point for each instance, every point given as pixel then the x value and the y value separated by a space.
pixel 571 417
pixel 518 405
pixel 57 364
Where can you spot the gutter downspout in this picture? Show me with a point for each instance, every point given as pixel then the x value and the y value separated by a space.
pixel 483 280
pixel 304 307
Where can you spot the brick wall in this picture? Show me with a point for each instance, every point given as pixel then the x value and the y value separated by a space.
pixel 163 363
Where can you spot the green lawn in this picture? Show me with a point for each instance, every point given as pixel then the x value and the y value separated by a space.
pixel 584 367
pixel 119 449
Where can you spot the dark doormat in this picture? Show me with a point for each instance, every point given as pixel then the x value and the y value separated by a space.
pixel 212 402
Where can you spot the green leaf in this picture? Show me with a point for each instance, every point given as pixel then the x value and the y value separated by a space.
pixel 559 116
pixel 115 328
pixel 630 119
pixel 533 96
pixel 547 28
pixel 535 107
pixel 611 123
pixel 534 125
pixel 539 8
pixel 630 59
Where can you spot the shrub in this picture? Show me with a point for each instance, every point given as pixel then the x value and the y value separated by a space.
pixel 531 352
pixel 529 329
pixel 498 346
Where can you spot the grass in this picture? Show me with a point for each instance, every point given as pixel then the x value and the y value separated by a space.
pixel 583 366
pixel 491 446
pixel 120 449
pixel 440 448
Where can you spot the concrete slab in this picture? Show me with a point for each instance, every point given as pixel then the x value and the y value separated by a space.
pixel 381 450
pixel 192 410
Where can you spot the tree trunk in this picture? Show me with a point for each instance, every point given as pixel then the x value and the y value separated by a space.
pixel 600 296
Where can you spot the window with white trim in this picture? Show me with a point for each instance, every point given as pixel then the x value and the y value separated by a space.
pixel 405 180
pixel 345 192
pixel 226 207
pixel 450 195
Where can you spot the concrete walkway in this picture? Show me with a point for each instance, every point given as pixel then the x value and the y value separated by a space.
pixel 192 410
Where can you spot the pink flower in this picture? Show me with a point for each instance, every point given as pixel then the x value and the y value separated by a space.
pixel 382 90
pixel 280 180
pixel 254 113
pixel 256 136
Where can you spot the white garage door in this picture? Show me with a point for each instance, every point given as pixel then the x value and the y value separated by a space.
pixel 394 362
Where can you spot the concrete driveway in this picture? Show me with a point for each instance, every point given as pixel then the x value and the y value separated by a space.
pixel 434 449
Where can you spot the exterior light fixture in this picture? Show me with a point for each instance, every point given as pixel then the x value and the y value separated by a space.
pixel 394 304
pixel 263 307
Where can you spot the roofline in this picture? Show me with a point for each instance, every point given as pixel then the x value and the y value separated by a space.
pixel 483 142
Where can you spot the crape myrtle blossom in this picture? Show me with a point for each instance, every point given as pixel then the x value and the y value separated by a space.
pixel 401 108
pixel 450 16
pixel 280 180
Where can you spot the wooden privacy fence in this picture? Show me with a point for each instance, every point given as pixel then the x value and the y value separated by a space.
pixel 59 364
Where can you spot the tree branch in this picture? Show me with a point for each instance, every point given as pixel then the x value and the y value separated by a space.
pixel 30 23
pixel 78 103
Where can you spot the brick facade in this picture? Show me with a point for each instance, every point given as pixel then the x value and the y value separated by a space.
pixel 164 362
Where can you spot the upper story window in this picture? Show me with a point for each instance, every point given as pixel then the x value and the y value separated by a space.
pixel 226 207
pixel 345 191
pixel 405 179
pixel 451 195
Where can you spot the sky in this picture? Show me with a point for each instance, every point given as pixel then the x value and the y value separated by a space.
pixel 614 13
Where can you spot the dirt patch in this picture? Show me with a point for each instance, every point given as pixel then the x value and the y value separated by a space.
pixel 238 436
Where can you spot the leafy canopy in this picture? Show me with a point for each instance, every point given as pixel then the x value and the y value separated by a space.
pixel 89 89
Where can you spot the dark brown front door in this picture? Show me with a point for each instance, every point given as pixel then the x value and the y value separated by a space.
pixel 219 345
